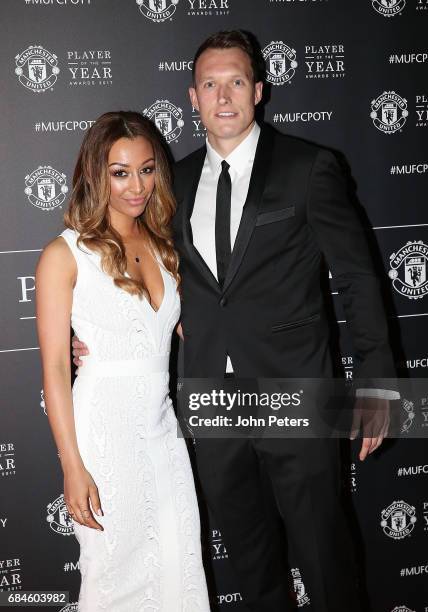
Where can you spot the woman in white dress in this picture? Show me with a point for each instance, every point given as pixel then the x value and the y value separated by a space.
pixel 112 275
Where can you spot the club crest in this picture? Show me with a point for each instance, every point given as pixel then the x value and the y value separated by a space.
pixel 37 68
pixel 398 520
pixel 389 112
pixel 157 10
pixel 280 61
pixel 302 598
pixel 409 415
pixel 58 518
pixel 167 117
pixel 408 270
pixel 46 188
pixel 388 8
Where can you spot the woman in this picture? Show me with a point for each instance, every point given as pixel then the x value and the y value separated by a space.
pixel 112 273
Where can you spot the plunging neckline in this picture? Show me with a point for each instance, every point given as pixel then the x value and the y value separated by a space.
pixel 163 285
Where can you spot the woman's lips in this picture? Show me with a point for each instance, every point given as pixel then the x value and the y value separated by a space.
pixel 136 201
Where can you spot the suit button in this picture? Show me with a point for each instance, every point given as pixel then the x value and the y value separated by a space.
pixel 223 302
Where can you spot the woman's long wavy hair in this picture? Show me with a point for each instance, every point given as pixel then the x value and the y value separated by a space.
pixel 88 209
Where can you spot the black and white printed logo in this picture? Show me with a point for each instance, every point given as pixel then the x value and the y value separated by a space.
pixel 228 598
pixel 219 549
pixel 302 597
pixel 208 8
pixel 398 520
pixel 62 3
pixel 167 117
pixel 157 10
pixel 42 401
pixel 10 575
pixel 58 518
pixel 281 62
pixel 7 459
pixel 410 262
pixel 199 130
pixel 353 477
pixel 325 61
pixel 388 8
pixel 409 415
pixel 37 68
pixel 91 67
pixel 424 410
pixel 422 110
pixel 389 112
pixel 348 366
pixel 175 66
pixel 46 188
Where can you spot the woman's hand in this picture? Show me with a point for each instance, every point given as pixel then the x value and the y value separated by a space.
pixel 79 490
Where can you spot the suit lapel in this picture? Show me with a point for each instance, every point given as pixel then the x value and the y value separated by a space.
pixel 252 203
pixel 188 204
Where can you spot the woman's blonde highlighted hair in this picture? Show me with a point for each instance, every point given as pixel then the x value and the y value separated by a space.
pixel 88 209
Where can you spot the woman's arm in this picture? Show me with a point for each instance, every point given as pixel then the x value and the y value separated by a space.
pixel 55 277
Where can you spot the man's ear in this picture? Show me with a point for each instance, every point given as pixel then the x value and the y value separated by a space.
pixel 258 92
pixel 193 98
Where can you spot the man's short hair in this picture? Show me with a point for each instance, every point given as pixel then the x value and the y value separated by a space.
pixel 235 39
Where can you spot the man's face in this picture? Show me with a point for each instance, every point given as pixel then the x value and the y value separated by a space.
pixel 225 93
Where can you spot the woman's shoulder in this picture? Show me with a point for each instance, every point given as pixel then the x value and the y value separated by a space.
pixel 56 255
pixel 62 248
pixel 57 247
pixel 70 236
pixel 77 247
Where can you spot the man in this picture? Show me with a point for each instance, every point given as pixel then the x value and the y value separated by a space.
pixel 252 305
pixel 257 213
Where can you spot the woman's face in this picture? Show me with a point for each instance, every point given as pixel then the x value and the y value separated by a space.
pixel 131 167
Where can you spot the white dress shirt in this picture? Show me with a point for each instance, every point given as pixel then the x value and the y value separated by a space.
pixel 203 216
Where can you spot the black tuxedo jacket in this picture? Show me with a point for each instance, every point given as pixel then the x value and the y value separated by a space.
pixel 270 316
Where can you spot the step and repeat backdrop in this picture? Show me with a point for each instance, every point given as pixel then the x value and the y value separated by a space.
pixel 348 75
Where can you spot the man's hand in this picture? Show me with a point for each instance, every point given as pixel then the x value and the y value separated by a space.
pixel 179 329
pixel 372 417
pixel 79 349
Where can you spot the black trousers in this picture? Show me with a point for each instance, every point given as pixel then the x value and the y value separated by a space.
pixel 304 476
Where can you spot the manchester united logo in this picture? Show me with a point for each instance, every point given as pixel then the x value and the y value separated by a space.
pixel 388 8
pixel 389 112
pixel 408 270
pixel 58 518
pixel 46 188
pixel 157 10
pixel 167 117
pixel 398 520
pixel 281 62
pixel 37 68
pixel 302 598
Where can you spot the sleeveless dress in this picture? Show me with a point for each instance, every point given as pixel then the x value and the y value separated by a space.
pixel 148 558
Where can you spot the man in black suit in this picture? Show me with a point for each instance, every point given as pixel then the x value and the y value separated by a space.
pixel 257 214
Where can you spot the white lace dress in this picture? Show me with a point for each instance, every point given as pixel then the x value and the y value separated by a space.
pixel 148 558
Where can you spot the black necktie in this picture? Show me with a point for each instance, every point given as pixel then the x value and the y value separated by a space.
pixel 222 222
